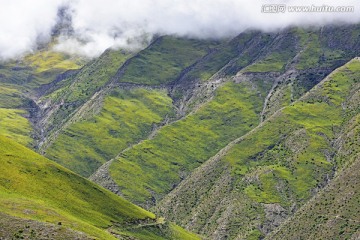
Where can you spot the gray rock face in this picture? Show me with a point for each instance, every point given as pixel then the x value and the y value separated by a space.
pixel 103 178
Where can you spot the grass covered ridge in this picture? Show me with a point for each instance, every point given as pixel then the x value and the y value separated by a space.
pixel 180 147
pixel 35 188
pixel 332 214
pixel 15 126
pixel 50 60
pixel 12 119
pixel 318 116
pixel 256 182
pixel 126 117
pixel 79 88
pixel 164 60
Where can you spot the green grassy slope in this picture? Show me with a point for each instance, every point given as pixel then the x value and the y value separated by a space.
pixel 160 63
pixel 241 50
pixel 17 81
pixel 164 60
pixel 178 148
pixel 20 228
pixel 35 69
pixel 13 125
pixel 280 51
pixel 251 186
pixel 93 76
pixel 47 60
pixel 78 89
pixel 309 49
pixel 300 58
pixel 295 59
pixel 10 97
pixel 225 59
pixel 91 149
pixel 12 118
pixel 126 117
pixel 32 187
pixel 332 214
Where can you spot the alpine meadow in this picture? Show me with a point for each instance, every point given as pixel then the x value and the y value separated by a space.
pixel 193 120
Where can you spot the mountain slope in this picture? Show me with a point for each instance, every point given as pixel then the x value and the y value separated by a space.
pixel 223 107
pixel 75 100
pixel 164 60
pixel 332 214
pixel 183 145
pixel 126 117
pixel 35 188
pixel 160 113
pixel 251 186
pixel 90 92
pixel 62 100
pixel 19 82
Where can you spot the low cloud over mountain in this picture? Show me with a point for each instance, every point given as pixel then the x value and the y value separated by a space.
pixel 100 24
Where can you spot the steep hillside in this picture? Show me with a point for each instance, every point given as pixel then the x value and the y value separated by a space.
pixel 189 71
pixel 105 86
pixel 19 84
pixel 37 68
pixel 165 60
pixel 251 186
pixel 332 214
pixel 34 190
pixel 126 117
pixel 13 109
pixel 68 95
pixel 234 129
pixel 297 59
pixel 159 63
pixel 181 146
pixel 14 125
pixel 222 108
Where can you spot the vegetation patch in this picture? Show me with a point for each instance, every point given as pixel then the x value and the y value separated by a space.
pixel 33 187
pixel 49 60
pixel 127 116
pixel 15 126
pixel 164 60
pixel 180 147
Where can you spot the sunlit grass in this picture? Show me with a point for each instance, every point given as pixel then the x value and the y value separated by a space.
pixel 15 126
pixel 127 116
pixel 33 187
pixel 183 145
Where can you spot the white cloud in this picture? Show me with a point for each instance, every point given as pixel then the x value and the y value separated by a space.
pixel 99 24
pixel 23 23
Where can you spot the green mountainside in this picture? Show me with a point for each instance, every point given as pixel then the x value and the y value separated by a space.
pixel 239 138
pixel 261 178
pixel 126 117
pixel 220 110
pixel 332 214
pixel 34 188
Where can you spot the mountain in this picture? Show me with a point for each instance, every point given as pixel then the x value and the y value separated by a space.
pixel 224 108
pixel 332 214
pixel 239 138
pixel 39 198
pixel 261 178
pixel 19 83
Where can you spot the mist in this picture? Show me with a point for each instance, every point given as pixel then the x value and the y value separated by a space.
pixel 100 24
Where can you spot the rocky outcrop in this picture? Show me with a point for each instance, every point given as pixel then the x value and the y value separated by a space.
pixel 103 178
